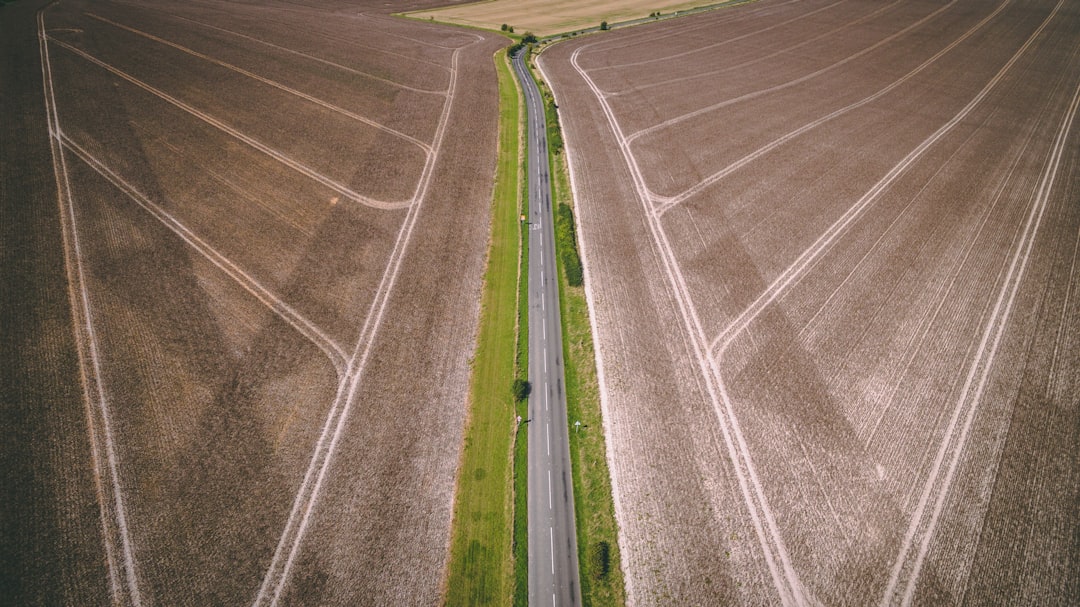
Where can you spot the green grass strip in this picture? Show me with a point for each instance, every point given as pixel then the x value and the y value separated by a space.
pixel 521 443
pixel 482 564
pixel 594 509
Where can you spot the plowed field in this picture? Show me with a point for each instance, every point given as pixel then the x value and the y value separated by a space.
pixel 274 220
pixel 832 251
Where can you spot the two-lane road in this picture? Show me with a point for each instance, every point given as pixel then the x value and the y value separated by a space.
pixel 553 562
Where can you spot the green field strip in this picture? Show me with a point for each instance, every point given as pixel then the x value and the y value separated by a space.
pixel 482 564
pixel 594 508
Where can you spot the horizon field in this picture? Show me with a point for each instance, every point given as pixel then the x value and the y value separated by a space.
pixel 548 18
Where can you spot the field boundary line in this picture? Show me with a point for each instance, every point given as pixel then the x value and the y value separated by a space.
pixel 283 310
pixel 103 447
pixel 790 83
pixel 320 102
pixel 786 582
pixel 824 243
pixel 972 391
pixel 269 151
pixel 670 202
pixel 296 525
pixel 345 68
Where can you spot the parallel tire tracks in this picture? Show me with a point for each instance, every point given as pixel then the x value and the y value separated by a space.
pixel 283 310
pixel 937 488
pixel 267 81
pixel 297 166
pixel 309 56
pixel 288 548
pixel 824 243
pixel 119 549
pixel 775 552
pixel 120 560
pixel 791 83
pixel 668 203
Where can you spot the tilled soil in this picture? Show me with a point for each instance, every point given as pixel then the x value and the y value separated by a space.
pixel 266 226
pixel 831 250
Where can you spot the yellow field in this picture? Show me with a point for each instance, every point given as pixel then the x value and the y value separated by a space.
pixel 548 17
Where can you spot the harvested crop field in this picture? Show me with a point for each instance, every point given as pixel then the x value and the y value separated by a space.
pixel 832 250
pixel 273 219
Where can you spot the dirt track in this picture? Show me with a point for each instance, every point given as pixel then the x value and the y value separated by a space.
pixel 860 220
pixel 273 236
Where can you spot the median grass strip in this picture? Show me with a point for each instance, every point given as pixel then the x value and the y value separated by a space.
pixel 597 532
pixel 482 563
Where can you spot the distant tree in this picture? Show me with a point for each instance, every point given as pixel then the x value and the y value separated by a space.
pixel 504 27
pixel 520 389
pixel 529 38
pixel 603 26
pixel 510 29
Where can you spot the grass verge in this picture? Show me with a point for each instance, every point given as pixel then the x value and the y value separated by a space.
pixel 484 547
pixel 594 509
pixel 521 441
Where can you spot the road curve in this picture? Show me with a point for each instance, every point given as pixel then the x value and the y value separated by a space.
pixel 553 562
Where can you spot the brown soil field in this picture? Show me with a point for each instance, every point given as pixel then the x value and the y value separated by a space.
pixel 267 226
pixel 832 250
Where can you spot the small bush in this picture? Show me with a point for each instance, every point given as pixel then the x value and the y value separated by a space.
pixel 603 26
pixel 504 27
pixel 600 560
pixel 520 389
pixel 529 38
pixel 566 240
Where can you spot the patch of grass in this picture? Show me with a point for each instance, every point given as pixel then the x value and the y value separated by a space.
pixel 484 543
pixel 566 242
pixel 594 510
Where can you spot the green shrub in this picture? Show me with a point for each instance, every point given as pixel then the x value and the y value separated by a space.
pixel 600 560
pixel 520 389
pixel 566 240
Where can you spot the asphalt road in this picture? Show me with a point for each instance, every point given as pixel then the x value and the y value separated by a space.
pixel 553 562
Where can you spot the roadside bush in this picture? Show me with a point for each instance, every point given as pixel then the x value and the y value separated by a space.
pixel 600 560
pixel 603 26
pixel 529 38
pixel 504 27
pixel 566 240
pixel 520 389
